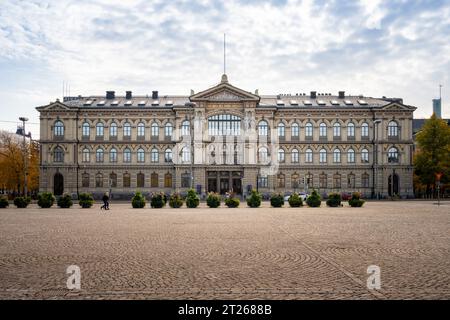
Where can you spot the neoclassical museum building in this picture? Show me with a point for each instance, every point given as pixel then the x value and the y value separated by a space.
pixel 226 139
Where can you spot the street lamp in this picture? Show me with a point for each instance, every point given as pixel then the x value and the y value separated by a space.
pixel 375 157
pixel 25 156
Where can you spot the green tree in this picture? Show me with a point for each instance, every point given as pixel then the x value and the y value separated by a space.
pixel 433 153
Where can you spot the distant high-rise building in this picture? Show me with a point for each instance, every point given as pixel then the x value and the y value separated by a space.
pixel 437 107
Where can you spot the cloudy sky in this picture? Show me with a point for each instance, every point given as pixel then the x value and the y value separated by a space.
pixel 395 48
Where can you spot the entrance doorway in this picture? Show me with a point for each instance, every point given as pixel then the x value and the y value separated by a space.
pixel 237 185
pixel 224 181
pixel 58 184
pixel 393 187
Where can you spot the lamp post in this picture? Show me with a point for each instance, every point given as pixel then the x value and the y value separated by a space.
pixel 375 158
pixel 25 156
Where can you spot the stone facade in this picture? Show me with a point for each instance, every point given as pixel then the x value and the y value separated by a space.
pixel 277 143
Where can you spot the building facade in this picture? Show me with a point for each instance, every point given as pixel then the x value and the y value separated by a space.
pixel 226 139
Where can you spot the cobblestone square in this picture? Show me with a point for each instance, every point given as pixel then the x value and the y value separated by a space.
pixel 243 253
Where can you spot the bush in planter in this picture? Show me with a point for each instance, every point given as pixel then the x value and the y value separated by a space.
pixel 213 200
pixel 46 199
pixel 334 200
pixel 192 199
pixel 22 202
pixel 65 201
pixel 277 200
pixel 157 200
pixel 313 200
pixel 231 201
pixel 86 200
pixel 175 200
pixel 356 201
pixel 138 200
pixel 4 202
pixel 254 200
pixel 295 200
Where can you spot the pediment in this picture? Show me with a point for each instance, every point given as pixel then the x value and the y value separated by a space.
pixel 396 106
pixel 54 106
pixel 224 92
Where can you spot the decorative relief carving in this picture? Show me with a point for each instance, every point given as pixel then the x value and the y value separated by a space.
pixel 225 96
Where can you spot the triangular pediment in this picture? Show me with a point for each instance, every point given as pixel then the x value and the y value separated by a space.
pixel 224 92
pixel 398 106
pixel 54 106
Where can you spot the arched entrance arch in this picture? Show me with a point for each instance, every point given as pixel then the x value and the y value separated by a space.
pixel 393 186
pixel 58 184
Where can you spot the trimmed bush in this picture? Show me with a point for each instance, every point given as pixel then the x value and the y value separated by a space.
pixel 313 200
pixel 86 200
pixel 65 201
pixel 295 200
pixel 157 200
pixel 277 200
pixel 192 199
pixel 254 200
pixel 334 200
pixel 22 202
pixel 232 202
pixel 356 201
pixel 175 200
pixel 4 202
pixel 213 200
pixel 46 199
pixel 138 200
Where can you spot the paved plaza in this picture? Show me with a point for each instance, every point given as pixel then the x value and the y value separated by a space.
pixel 243 253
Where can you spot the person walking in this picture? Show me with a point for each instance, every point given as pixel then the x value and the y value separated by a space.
pixel 105 201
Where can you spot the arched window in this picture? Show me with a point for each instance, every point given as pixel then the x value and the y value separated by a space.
pixel 86 129
pixel 294 156
pixel 167 180
pixel 351 130
pixel 154 180
pixel 364 130
pixel 99 129
pixel 113 180
pixel 281 154
pixel 126 180
pixel 281 130
pixel 140 180
pixel 127 129
pixel 365 180
pixel 155 129
pixel 113 155
pixel 168 155
pixel 337 130
pixel 127 155
pixel 351 155
pixel 113 129
pixel 99 155
pixel 392 129
pixel 295 130
pixel 323 156
pixel 281 180
pixel 155 155
pixel 99 180
pixel 85 180
pixel 140 155
pixel 186 155
pixel 59 129
pixel 224 125
pixel 337 155
pixel 263 128
pixel 351 181
pixel 393 155
pixel 309 156
pixel 86 155
pixel 168 130
pixel 309 129
pixel 337 181
pixel 295 182
pixel 364 155
pixel 322 180
pixel 263 155
pixel 58 154
pixel 185 128
pixel 322 129
pixel 141 130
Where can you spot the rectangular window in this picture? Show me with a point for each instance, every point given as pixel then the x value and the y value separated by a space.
pixel 263 182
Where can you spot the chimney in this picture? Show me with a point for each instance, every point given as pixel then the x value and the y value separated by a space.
pixel 341 94
pixel 154 95
pixel 110 94
pixel 313 94
pixel 128 95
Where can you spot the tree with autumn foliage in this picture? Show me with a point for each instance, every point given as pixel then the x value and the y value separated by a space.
pixel 432 155
pixel 12 151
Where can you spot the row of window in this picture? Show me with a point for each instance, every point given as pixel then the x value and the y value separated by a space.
pixel 263 155
pixel 226 125
pixel 263 181
pixel 126 180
